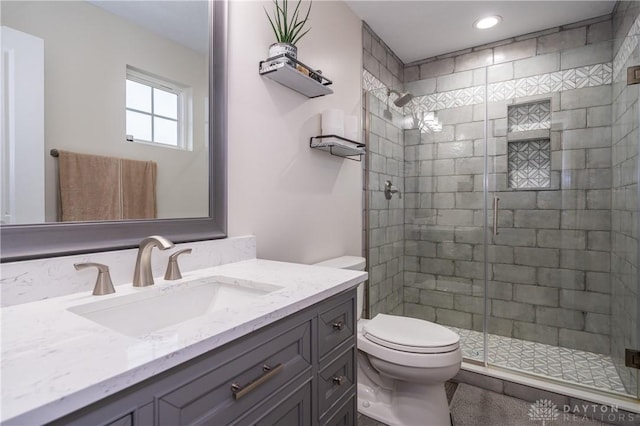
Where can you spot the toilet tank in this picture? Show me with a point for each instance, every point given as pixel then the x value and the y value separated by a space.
pixel 355 263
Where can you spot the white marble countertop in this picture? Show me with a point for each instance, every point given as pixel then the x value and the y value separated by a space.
pixel 55 362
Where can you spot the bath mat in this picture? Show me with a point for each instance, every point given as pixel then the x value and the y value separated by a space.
pixel 472 406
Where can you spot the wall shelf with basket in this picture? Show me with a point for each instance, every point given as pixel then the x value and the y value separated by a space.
pixel 295 75
pixel 338 146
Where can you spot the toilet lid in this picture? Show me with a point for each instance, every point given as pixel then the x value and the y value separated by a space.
pixel 410 334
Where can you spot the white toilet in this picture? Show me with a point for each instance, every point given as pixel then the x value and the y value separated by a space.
pixel 402 364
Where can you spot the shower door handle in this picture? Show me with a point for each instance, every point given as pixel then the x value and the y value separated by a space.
pixel 496 211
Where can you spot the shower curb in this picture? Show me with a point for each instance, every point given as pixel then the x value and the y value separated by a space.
pixel 577 408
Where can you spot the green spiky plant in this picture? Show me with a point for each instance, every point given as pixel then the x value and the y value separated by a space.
pixel 287 28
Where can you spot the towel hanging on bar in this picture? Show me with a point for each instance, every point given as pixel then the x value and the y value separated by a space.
pixel 93 188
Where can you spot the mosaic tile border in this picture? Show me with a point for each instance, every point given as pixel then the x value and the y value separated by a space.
pixel 575 78
pixel 628 46
pixel 573 365
pixel 370 82
pixel 378 89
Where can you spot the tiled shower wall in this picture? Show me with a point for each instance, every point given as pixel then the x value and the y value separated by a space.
pixel 624 253
pixel 385 162
pixel 549 265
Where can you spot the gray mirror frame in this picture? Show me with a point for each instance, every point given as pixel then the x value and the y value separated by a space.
pixel 23 242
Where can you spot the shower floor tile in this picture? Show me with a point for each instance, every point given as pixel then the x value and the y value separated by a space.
pixel 573 365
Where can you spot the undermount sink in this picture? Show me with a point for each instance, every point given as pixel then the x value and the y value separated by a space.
pixel 154 308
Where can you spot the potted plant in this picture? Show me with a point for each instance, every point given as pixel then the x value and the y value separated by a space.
pixel 287 27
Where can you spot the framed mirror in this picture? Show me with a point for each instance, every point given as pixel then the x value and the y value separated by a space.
pixel 89 106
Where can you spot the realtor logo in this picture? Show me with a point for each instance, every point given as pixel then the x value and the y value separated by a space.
pixel 544 410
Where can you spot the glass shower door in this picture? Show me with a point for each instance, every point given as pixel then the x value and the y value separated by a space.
pixel 444 254
pixel 625 242
pixel 562 223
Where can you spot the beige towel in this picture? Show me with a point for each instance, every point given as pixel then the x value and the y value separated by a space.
pixel 95 188
pixel 89 187
pixel 138 189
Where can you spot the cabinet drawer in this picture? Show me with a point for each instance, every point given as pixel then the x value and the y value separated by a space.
pixel 335 380
pixel 345 415
pixel 335 326
pixel 123 421
pixel 291 406
pixel 210 396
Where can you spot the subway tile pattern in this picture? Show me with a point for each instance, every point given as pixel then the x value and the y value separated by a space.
pixel 586 368
pixel 533 116
pixel 628 46
pixel 529 164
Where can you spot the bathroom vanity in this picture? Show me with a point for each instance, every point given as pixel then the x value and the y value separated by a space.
pixel 283 354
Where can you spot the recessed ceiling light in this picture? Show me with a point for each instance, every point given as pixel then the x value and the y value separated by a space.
pixel 487 22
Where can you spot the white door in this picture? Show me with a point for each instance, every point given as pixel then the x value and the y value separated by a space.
pixel 22 113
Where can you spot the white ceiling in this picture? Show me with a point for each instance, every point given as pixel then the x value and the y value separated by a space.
pixel 417 30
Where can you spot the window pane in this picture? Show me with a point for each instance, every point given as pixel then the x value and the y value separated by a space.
pixel 138 96
pixel 165 104
pixel 139 125
pixel 166 131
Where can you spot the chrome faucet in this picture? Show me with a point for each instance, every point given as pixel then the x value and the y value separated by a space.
pixel 142 275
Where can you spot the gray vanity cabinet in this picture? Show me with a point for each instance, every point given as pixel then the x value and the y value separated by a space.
pixel 300 370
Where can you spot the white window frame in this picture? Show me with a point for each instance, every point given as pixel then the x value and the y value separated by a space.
pixel 184 93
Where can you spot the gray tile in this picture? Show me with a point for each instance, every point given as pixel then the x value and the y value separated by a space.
pixel 530 394
pixel 562 40
pixel 454 81
pixel 479 380
pixel 599 116
pixel 586 97
pixel 437 68
pixel 514 51
pixel 411 73
pixel 599 343
pixel 472 60
pixel 560 317
pixel 421 87
pixel 500 72
pixel 586 55
pixel 585 301
pixel 601 31
pixel 537 65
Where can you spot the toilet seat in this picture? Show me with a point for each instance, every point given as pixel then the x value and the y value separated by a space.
pixel 410 335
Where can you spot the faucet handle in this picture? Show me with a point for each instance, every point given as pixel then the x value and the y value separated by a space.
pixel 173 270
pixel 103 282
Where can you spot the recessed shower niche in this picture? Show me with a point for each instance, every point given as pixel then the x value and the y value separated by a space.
pixel 529 145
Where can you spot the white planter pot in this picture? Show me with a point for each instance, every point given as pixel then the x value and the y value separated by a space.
pixel 279 48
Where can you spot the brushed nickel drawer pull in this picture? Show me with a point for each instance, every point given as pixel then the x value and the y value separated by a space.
pixel 339 380
pixel 338 325
pixel 239 391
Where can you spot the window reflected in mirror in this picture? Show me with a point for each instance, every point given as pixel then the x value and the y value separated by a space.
pixel 126 80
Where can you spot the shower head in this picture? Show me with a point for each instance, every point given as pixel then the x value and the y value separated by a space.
pixel 402 99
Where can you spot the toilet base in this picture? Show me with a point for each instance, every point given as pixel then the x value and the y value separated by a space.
pixel 409 404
